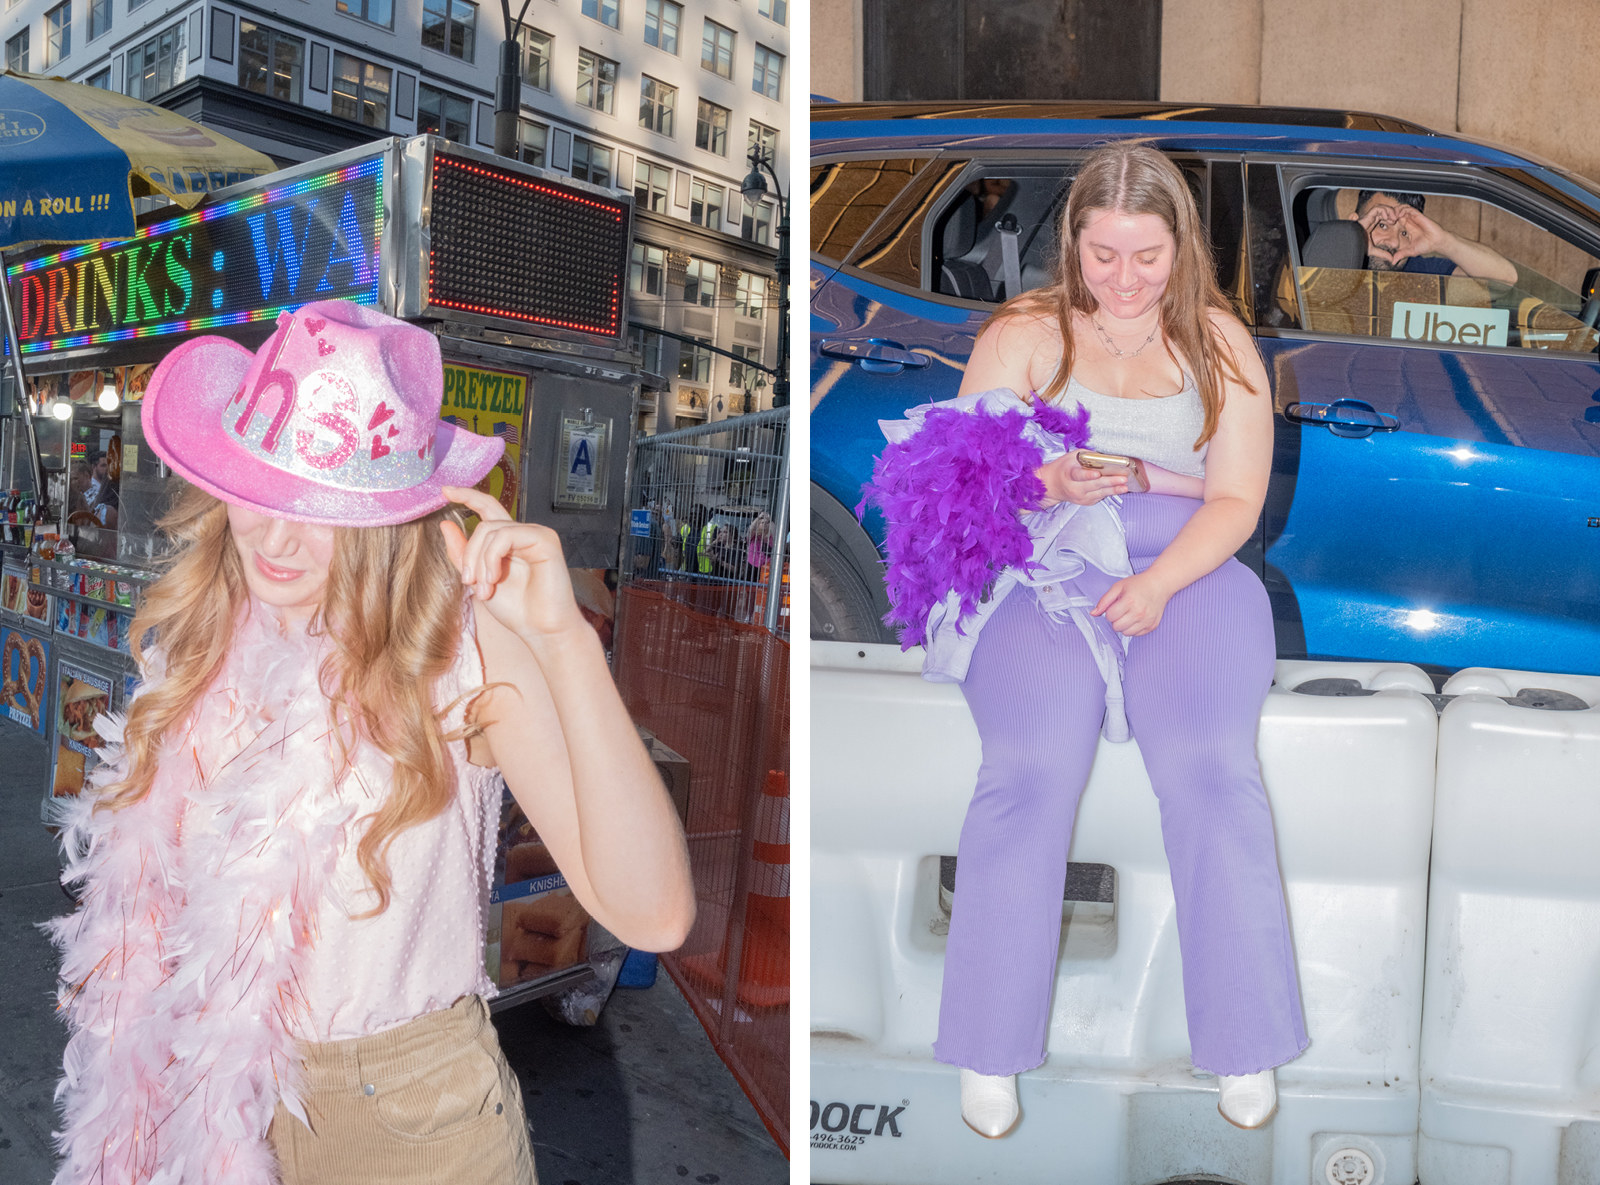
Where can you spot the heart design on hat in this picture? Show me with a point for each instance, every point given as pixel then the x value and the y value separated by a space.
pixel 280 430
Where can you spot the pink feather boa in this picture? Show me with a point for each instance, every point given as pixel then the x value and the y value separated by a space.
pixel 179 974
pixel 951 496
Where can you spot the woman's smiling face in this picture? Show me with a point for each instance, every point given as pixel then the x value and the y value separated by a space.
pixel 1127 260
pixel 285 563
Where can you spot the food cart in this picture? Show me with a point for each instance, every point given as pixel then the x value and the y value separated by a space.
pixel 522 276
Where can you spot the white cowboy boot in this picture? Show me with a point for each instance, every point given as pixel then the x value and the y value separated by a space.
pixel 1248 1100
pixel 989 1103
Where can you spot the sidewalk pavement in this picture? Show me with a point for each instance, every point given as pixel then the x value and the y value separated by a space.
pixel 638 1099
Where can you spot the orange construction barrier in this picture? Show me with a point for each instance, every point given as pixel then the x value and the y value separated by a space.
pixel 764 947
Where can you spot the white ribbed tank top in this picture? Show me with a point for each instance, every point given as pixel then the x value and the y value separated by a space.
pixel 1161 431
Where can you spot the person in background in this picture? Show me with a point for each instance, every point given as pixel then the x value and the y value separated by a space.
pixel 1401 238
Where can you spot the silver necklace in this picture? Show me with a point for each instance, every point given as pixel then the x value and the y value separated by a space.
pixel 1112 346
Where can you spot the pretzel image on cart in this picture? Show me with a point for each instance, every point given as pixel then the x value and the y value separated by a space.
pixel 24 678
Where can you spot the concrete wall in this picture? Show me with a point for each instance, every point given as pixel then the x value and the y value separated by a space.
pixel 1511 71
pixel 836 49
pixel 1516 72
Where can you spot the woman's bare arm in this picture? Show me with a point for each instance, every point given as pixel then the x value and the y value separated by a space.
pixel 562 737
pixel 1238 464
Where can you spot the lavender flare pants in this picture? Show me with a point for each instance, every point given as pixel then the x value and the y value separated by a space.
pixel 1194 687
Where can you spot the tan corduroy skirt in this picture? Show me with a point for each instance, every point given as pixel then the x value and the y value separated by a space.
pixel 432 1100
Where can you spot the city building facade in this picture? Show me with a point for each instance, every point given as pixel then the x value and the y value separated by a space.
pixel 654 97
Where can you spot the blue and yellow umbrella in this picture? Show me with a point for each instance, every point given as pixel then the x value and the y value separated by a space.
pixel 73 158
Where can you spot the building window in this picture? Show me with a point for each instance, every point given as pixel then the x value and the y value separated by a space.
pixel 532 138
pixel 443 114
pixel 694 361
pixel 700 283
pixel 450 26
pixel 649 346
pixel 99 17
pixel 361 91
pixel 777 10
pixel 591 162
pixel 597 82
pixel 100 79
pixel 755 223
pixel 716 49
pixel 750 298
pixel 376 12
pixel 764 138
pixel 737 371
pixel 535 57
pixel 768 78
pixel 647 272
pixel 270 62
pixel 711 128
pixel 17 53
pixel 656 103
pixel 157 65
pixel 604 11
pixel 705 205
pixel 57 33
pixel 650 184
pixel 661 21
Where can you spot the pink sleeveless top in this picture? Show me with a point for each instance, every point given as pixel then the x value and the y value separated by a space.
pixel 425 951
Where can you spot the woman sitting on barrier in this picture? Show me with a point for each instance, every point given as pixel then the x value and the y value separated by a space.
pixel 277 970
pixel 1071 601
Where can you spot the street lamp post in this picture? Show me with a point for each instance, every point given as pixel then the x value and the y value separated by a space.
pixel 508 84
pixel 755 188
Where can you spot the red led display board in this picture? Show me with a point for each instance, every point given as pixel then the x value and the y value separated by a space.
pixel 509 245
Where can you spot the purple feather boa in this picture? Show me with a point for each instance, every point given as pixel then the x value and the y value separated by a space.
pixel 951 495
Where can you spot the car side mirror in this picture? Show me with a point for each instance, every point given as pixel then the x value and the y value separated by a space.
pixel 1591 300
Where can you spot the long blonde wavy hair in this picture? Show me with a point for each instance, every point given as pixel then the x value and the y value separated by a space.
pixel 392 610
pixel 1131 178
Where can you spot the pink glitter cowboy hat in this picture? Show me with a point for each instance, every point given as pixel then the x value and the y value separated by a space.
pixel 334 420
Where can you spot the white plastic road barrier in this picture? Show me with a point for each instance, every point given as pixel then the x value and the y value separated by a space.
pixel 1511 1017
pixel 1350 777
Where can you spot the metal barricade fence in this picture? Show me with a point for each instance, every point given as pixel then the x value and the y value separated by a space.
pixel 702 661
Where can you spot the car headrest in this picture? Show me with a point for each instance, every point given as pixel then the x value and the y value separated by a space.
pixel 1322 205
pixel 961 227
pixel 1340 243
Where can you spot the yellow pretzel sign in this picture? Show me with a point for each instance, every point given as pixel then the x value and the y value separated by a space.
pixel 490 403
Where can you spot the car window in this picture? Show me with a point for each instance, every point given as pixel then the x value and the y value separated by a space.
pixel 1443 268
pixel 892 249
pixel 972 223
pixel 1225 216
pixel 971 230
pixel 848 196
pixel 1276 304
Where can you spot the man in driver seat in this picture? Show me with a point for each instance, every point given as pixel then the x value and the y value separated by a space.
pixel 1401 238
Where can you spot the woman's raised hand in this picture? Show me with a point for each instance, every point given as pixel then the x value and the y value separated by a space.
pixel 1067 481
pixel 515 569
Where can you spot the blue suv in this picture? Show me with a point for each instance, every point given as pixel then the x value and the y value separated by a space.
pixel 1435 493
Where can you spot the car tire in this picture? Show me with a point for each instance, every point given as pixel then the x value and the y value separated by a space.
pixel 843 608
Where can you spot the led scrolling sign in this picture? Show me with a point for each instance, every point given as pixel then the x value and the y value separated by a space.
pixel 236 262
pixel 506 245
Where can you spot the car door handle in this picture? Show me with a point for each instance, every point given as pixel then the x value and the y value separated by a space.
pixel 1343 417
pixel 875 355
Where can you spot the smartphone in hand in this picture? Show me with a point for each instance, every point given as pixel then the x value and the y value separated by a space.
pixel 1114 464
